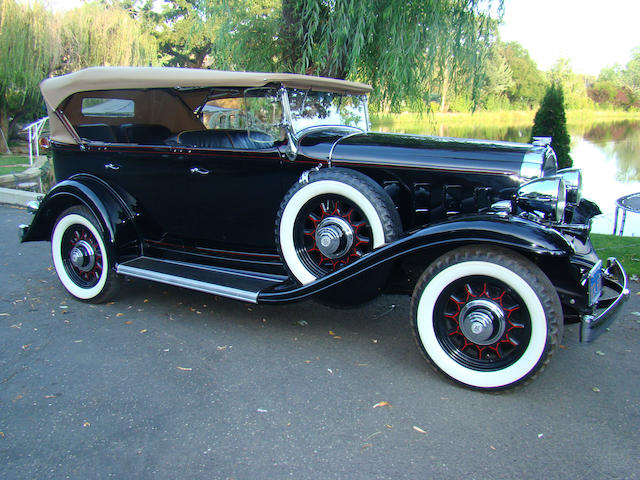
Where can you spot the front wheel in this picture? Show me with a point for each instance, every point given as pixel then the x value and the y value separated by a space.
pixel 81 258
pixel 486 318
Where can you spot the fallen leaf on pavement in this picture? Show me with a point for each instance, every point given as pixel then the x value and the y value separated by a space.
pixel 144 330
pixel 86 424
pixel 185 369
pixel 145 300
pixel 382 404
pixel 128 322
pixel 119 314
pixel 419 430
pixel 595 389
pixel 598 352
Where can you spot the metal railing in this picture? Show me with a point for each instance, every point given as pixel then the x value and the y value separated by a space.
pixel 34 130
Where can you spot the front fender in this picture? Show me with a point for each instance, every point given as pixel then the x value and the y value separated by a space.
pixel 518 234
pixel 115 216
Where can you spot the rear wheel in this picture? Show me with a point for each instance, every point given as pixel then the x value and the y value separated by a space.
pixel 80 256
pixel 334 218
pixel 486 318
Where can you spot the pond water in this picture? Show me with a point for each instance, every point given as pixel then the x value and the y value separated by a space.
pixel 608 154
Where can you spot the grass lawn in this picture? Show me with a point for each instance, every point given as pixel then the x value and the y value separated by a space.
pixel 6 170
pixel 13 160
pixel 625 249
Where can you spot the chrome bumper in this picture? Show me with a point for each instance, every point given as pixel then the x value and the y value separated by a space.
pixel 608 307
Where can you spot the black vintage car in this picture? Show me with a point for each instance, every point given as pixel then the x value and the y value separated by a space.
pixel 270 188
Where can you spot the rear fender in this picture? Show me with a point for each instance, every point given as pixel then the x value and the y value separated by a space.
pixel 116 218
pixel 523 236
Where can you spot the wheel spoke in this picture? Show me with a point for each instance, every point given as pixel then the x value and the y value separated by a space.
pixel 482 324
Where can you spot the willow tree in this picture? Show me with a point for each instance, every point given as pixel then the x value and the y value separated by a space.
pixel 112 37
pixel 406 48
pixel 29 48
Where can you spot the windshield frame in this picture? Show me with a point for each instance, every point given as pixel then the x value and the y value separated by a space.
pixel 298 132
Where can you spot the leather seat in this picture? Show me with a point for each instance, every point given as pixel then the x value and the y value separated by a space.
pixel 145 134
pixel 233 139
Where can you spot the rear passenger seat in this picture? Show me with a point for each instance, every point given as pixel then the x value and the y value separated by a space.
pixel 142 134
pixel 100 132
pixel 238 139
pixel 145 134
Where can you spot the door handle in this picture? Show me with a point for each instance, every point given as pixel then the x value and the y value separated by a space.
pixel 201 171
pixel 112 166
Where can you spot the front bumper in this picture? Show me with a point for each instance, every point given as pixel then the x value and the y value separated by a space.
pixel 614 294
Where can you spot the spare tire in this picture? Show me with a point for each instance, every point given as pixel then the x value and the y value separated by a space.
pixel 331 218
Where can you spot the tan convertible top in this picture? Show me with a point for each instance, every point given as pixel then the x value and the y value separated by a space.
pixel 56 90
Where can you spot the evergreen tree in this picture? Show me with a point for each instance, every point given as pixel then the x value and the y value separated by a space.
pixel 551 121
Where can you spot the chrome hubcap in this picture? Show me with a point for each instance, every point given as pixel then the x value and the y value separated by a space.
pixel 334 237
pixel 482 322
pixel 82 256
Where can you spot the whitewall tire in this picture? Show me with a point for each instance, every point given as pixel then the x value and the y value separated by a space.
pixel 80 256
pixel 332 220
pixel 486 318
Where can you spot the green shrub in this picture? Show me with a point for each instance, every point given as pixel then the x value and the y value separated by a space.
pixel 551 121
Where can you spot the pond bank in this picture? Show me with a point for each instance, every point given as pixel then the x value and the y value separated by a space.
pixel 487 124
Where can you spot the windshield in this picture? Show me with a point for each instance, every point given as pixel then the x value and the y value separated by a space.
pixel 312 109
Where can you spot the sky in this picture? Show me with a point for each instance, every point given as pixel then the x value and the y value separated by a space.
pixel 592 34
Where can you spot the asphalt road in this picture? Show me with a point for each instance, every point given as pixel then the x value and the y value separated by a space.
pixel 168 383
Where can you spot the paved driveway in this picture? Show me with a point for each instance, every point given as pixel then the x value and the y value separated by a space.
pixel 168 383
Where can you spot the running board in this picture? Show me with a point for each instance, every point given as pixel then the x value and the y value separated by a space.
pixel 236 284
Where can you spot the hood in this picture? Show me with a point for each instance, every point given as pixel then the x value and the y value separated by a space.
pixel 428 152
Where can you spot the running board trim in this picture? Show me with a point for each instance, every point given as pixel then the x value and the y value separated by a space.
pixel 189 283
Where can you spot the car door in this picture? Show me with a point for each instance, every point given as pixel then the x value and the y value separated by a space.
pixel 232 198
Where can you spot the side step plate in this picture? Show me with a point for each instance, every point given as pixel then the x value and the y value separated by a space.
pixel 236 284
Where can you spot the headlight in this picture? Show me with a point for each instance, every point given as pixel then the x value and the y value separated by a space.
pixel 547 195
pixel 573 181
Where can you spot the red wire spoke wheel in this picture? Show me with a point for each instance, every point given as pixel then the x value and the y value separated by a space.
pixel 330 219
pixel 80 256
pixel 487 318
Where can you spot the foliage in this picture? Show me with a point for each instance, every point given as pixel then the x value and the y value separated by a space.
pixel 630 77
pixel 551 121
pixel 30 47
pixel 528 83
pixel 441 41
pixel 573 84
pixel 111 38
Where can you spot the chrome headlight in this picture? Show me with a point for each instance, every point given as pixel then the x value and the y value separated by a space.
pixel 547 195
pixel 573 180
